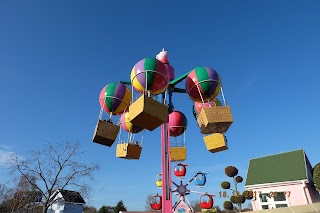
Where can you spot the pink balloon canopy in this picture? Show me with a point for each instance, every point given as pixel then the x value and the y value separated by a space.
pixel 177 123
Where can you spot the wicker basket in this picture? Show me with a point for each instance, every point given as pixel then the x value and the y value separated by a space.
pixel 178 153
pixel 216 142
pixel 128 151
pixel 148 113
pixel 105 133
pixel 215 119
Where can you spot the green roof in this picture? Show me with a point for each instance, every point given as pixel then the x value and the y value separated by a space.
pixel 289 166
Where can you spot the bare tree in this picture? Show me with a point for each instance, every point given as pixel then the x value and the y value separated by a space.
pixel 195 204
pixel 25 194
pixel 147 207
pixel 89 209
pixel 55 166
pixel 6 195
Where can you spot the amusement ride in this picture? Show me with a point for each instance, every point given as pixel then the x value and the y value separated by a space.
pixel 153 80
pixel 182 203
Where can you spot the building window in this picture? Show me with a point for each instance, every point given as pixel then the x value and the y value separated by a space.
pixel 273 200
pixel 281 205
pixel 280 197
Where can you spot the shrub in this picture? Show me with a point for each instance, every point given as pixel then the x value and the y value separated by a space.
pixel 316 176
pixel 231 171
pixel 227 205
pixel 239 179
pixel 225 185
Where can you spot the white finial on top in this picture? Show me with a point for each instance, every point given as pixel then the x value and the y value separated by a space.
pixel 163 56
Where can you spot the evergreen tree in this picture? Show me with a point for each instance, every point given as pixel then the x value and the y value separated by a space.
pixel 119 207
pixel 103 209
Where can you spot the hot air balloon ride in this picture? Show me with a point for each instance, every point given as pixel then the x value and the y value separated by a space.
pixel 159 180
pixel 156 202
pixel 177 126
pixel 129 149
pixel 114 99
pixel 203 84
pixel 149 77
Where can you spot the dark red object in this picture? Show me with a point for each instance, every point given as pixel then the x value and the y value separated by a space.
pixel 180 170
pixel 156 202
pixel 206 201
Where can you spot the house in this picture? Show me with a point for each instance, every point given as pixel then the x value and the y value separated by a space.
pixel 281 180
pixel 66 201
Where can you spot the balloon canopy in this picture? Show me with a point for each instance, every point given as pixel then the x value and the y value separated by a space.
pixel 177 123
pixel 150 75
pixel 127 125
pixel 197 106
pixel 202 84
pixel 171 71
pixel 115 98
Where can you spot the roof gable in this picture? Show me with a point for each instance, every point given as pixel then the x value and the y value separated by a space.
pixel 72 196
pixel 289 166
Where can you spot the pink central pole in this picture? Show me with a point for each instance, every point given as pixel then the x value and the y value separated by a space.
pixel 165 169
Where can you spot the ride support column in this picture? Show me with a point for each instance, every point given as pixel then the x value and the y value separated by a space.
pixel 166 169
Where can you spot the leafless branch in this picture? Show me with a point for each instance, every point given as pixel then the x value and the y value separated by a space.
pixel 55 166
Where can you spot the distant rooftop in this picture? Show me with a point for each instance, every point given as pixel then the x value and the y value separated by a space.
pixel 288 166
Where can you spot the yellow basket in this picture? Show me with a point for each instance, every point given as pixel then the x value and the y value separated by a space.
pixel 105 133
pixel 148 113
pixel 178 153
pixel 216 119
pixel 128 151
pixel 216 142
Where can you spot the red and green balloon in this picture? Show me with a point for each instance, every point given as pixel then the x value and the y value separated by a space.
pixel 150 75
pixel 202 84
pixel 177 123
pixel 115 98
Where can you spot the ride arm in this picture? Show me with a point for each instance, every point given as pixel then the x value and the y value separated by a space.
pixel 175 184
pixel 178 80
pixel 179 90
pixel 191 179
pixel 202 193
pixel 125 82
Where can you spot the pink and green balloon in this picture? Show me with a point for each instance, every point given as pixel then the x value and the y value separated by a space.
pixel 115 98
pixel 150 75
pixel 202 84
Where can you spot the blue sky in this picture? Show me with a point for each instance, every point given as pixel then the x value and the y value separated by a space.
pixel 56 56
